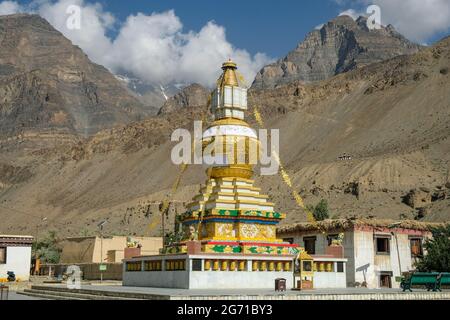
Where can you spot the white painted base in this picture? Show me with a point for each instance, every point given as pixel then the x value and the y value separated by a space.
pixel 206 279
pixel 328 280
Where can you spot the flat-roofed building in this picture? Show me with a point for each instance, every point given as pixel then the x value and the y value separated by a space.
pixel 377 251
pixel 15 256
pixel 104 250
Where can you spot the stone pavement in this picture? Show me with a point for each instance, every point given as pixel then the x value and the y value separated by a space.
pixel 255 294
pixel 14 296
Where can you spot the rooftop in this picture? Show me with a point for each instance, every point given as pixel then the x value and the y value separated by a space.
pixel 15 236
pixel 345 224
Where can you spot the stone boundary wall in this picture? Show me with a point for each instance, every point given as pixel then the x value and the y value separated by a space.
pixel 91 271
pixel 311 297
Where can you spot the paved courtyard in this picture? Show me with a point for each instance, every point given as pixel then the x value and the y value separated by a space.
pixel 249 292
pixel 14 296
pixel 117 290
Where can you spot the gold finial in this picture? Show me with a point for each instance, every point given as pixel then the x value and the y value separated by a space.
pixel 229 65
pixel 229 76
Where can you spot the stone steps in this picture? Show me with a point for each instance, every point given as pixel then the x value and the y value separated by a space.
pixel 62 293
pixel 45 295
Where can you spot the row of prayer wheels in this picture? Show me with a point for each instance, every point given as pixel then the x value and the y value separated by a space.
pixel 271 265
pixel 175 265
pixel 323 266
pixel 225 265
pixel 241 265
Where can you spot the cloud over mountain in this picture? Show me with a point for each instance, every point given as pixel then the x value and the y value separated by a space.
pixel 152 47
pixel 418 20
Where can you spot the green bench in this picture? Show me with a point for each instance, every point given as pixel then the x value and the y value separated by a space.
pixel 444 279
pixel 430 280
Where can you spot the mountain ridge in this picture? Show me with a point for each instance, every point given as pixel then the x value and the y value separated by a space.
pixel 391 117
pixel 67 90
pixel 340 45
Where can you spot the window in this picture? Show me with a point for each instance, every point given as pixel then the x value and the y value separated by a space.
pixel 332 237
pixel 2 255
pixel 310 244
pixel 382 245
pixel 196 265
pixel 307 266
pixel 416 247
pixel 340 266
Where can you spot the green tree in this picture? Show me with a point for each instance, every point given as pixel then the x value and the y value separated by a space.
pixel 47 249
pixel 320 211
pixel 437 257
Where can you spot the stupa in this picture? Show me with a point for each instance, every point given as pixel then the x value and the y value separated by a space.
pixel 229 229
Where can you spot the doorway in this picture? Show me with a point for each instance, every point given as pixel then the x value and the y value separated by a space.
pixel 385 280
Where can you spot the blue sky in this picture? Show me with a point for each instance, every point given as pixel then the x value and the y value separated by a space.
pixel 273 27
pixel 185 41
pixel 270 26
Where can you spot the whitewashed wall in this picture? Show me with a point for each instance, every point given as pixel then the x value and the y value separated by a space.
pixel 18 259
pixel 363 264
pixel 365 255
pixel 322 243
pixel 328 280
pixel 206 279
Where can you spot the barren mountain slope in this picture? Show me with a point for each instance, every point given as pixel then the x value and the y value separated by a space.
pixel 393 118
pixel 47 83
pixel 340 45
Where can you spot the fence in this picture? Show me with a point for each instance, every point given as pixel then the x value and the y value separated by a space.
pixel 90 271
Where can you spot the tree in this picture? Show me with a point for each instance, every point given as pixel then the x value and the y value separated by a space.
pixel 437 257
pixel 47 249
pixel 320 211
pixel 173 237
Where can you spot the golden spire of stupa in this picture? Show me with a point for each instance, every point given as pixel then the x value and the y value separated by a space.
pixel 229 77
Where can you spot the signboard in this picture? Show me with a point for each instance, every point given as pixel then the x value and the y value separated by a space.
pixel 102 267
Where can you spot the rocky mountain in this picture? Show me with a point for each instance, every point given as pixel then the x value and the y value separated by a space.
pixel 193 95
pixel 48 83
pixel 340 45
pixel 373 141
pixel 151 95
pixel 392 118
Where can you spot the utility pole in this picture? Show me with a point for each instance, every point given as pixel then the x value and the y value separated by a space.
pixel 165 208
pixel 392 226
pixel 100 226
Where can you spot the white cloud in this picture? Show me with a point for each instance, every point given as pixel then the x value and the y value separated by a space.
pixel 352 13
pixel 91 36
pixel 319 26
pixel 418 20
pixel 9 7
pixel 152 47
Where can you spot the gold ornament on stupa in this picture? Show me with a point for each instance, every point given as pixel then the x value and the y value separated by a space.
pixel 230 215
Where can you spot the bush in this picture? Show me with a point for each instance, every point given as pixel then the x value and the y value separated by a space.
pixel 437 257
pixel 320 211
pixel 47 249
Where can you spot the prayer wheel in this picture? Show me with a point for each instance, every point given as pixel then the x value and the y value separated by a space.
pixel 224 265
pixel 279 266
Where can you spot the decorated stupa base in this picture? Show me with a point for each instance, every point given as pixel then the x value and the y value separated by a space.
pixel 229 231
pixel 231 216
pixel 208 271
